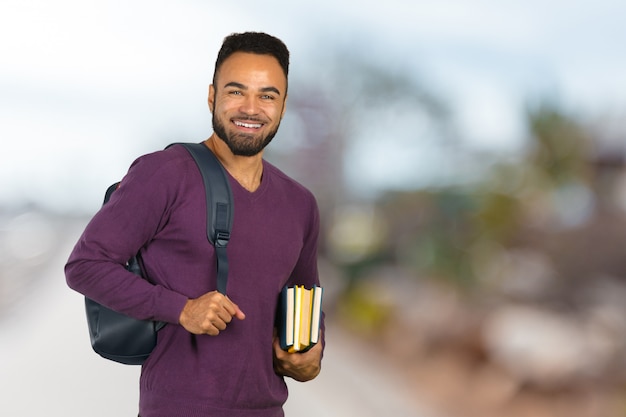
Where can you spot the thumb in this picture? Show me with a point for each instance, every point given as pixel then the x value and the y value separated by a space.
pixel 238 312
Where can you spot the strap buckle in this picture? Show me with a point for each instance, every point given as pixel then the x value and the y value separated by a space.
pixel 221 238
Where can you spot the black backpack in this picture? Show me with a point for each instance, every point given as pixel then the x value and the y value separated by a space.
pixel 130 341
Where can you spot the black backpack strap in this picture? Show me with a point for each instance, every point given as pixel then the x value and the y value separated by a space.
pixel 219 201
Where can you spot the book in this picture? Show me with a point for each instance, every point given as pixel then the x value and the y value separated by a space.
pixel 285 329
pixel 306 309
pixel 316 315
pixel 300 316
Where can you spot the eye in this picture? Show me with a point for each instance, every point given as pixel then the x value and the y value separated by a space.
pixel 235 93
pixel 267 97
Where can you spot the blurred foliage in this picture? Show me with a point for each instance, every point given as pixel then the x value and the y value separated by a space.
pixel 363 313
pixel 453 233
pixel 561 147
pixel 462 227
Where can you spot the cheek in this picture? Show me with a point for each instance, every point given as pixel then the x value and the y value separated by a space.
pixel 225 104
pixel 277 110
pixel 219 107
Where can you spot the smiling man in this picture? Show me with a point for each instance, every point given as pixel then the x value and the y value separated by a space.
pixel 252 111
pixel 247 99
pixel 218 355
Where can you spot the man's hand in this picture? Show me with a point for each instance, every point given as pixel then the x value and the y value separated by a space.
pixel 300 366
pixel 209 314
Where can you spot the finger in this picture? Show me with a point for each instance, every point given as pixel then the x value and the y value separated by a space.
pixel 234 310
pixel 279 353
pixel 212 331
pixel 220 317
pixel 223 315
pixel 219 324
pixel 240 314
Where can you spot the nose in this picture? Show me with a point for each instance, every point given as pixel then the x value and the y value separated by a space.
pixel 249 105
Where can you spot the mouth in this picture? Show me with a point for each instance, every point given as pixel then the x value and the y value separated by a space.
pixel 248 124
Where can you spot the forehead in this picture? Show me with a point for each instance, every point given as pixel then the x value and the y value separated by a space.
pixel 251 69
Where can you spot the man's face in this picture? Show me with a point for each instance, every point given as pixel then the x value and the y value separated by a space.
pixel 248 102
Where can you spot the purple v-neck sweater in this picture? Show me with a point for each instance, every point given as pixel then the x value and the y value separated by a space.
pixel 160 210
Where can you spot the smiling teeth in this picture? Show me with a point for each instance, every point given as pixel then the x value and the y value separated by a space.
pixel 249 125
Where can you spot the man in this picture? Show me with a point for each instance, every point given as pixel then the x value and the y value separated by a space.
pixel 218 355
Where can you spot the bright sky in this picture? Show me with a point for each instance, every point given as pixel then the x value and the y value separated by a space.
pixel 87 86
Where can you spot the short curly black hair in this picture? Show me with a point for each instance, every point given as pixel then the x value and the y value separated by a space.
pixel 255 43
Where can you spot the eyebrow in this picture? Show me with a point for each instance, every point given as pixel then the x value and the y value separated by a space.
pixel 243 87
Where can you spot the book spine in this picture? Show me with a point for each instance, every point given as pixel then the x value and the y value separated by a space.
pixel 316 318
pixel 286 318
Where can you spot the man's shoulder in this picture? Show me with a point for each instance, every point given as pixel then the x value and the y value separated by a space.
pixel 285 181
pixel 163 170
pixel 167 159
pixel 173 152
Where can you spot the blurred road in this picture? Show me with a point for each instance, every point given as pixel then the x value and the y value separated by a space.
pixel 47 367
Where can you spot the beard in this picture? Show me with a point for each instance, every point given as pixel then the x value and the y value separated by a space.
pixel 243 144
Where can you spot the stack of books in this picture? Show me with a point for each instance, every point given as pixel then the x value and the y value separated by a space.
pixel 300 315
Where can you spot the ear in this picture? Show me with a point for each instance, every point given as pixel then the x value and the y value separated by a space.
pixel 211 98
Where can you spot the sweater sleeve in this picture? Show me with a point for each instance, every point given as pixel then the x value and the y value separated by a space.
pixel 306 270
pixel 132 217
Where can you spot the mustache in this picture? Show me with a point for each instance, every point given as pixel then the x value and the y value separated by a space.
pixel 248 118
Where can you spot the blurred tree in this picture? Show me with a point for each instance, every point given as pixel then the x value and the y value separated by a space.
pixel 560 150
pixel 465 227
pixel 351 97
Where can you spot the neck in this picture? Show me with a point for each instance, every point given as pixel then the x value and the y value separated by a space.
pixel 247 170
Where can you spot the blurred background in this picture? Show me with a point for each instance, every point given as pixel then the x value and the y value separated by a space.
pixel 469 162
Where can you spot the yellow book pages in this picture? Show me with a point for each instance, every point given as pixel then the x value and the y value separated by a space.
pixel 306 311
pixel 297 321
pixel 316 314
pixel 305 318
